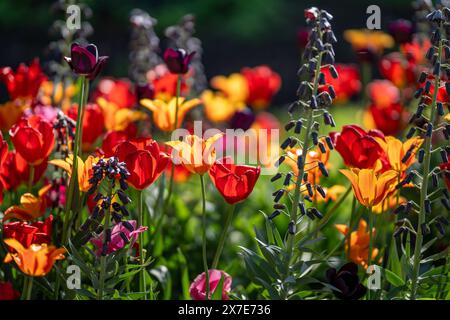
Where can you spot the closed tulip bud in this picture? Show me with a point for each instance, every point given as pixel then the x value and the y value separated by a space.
pixel 177 60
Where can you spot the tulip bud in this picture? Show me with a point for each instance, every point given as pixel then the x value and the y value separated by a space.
pixel 177 60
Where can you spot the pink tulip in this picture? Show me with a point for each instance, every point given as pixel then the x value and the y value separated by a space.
pixel 197 289
pixel 117 242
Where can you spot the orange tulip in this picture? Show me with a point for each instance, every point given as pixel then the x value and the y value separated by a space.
pixel 369 188
pixel 218 107
pixel 116 118
pixel 164 112
pixel 364 39
pixel 196 154
pixel 234 86
pixel 396 151
pixel 31 207
pixel 359 243
pixel 389 203
pixel 84 169
pixel 36 260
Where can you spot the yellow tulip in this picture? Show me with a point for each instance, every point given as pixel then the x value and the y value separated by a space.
pixel 164 112
pixel 234 86
pixel 368 39
pixel 359 243
pixel 396 150
pixel 118 119
pixel 196 154
pixel 219 108
pixel 84 169
pixel 35 261
pixel 369 188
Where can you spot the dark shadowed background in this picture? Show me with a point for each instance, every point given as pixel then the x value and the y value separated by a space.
pixel 235 33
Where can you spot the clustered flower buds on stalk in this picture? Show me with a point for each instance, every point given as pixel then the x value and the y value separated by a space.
pixel 107 171
pixel 314 96
pixel 426 123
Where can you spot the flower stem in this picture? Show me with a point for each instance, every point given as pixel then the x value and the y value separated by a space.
pixel 301 171
pixel 369 257
pixel 172 170
pixel 350 228
pixel 223 236
pixel 76 150
pixel 27 288
pixel 205 260
pixel 142 284
pixel 424 187
pixel 31 178
pixel 100 293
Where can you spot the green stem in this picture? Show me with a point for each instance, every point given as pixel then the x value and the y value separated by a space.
pixel 172 170
pixel 31 178
pixel 301 171
pixel 142 280
pixel 100 293
pixel 27 288
pixel 424 188
pixel 223 236
pixel 350 228
pixel 205 259
pixel 76 150
pixel 369 258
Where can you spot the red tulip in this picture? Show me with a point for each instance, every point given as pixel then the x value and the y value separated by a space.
pixel 263 83
pixel 37 232
pixel 347 85
pixel 25 82
pixel 118 91
pixel 33 139
pixel 397 69
pixel 197 290
pixel 15 170
pixel 383 93
pixel 390 119
pixel 7 291
pixel 234 182
pixel 357 147
pixel 164 83
pixel 144 161
pixel 110 141
pixel 93 124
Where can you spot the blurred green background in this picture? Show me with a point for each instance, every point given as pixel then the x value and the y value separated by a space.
pixel 235 33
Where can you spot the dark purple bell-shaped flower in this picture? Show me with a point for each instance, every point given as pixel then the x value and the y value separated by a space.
pixel 84 60
pixel 145 91
pixel 347 281
pixel 242 119
pixel 177 60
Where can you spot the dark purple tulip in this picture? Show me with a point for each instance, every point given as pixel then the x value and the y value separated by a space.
pixel 347 281
pixel 84 60
pixel 145 91
pixel 401 30
pixel 242 119
pixel 177 60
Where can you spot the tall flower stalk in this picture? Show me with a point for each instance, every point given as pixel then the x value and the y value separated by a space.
pixel 318 54
pixel 428 126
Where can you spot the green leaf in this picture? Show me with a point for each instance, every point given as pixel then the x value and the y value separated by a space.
pixel 217 295
pixel 184 274
pixel 393 279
